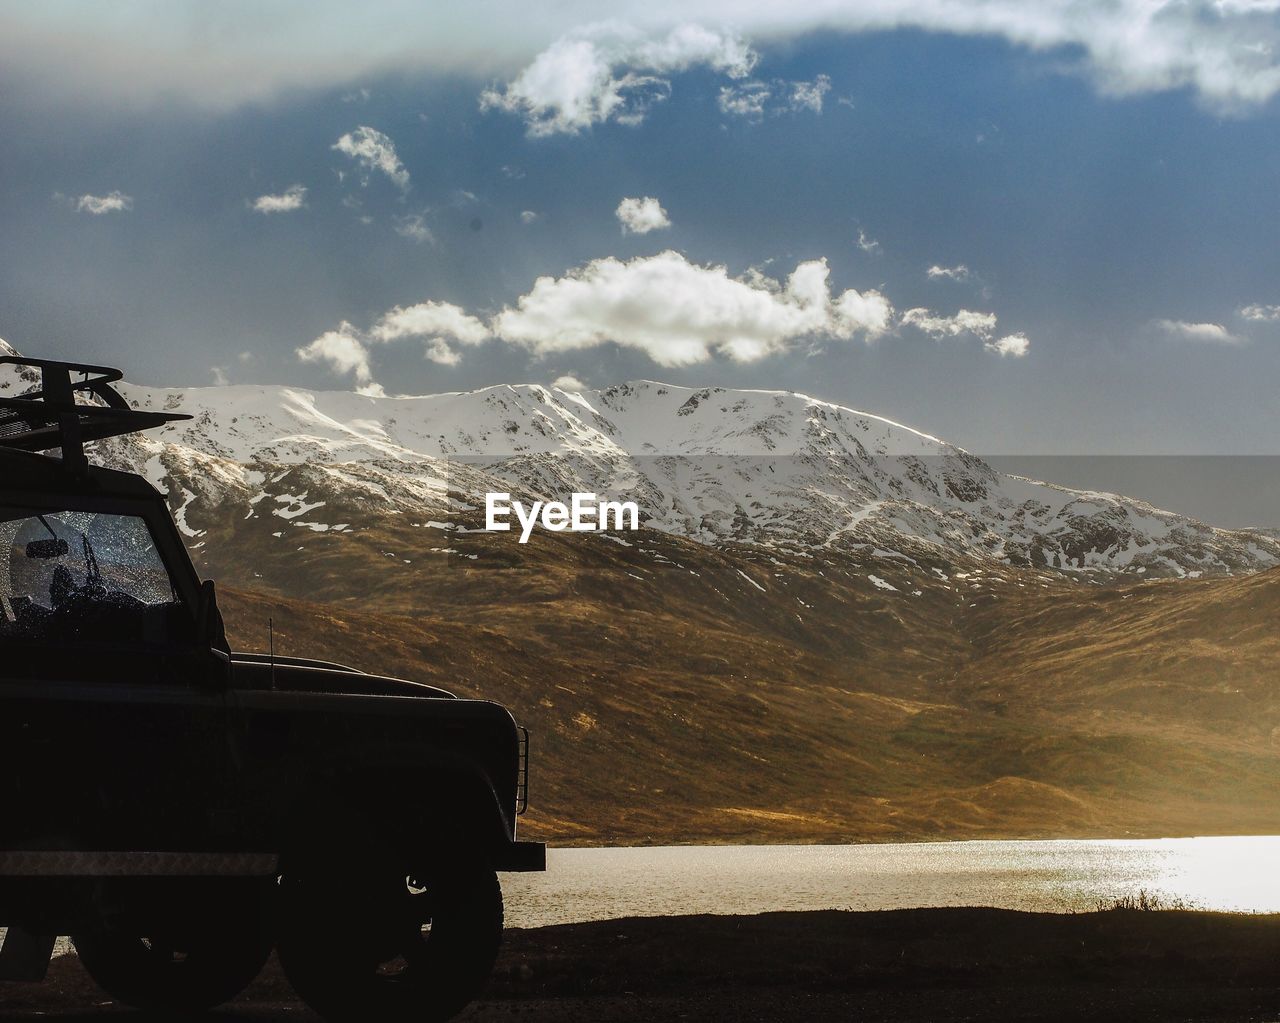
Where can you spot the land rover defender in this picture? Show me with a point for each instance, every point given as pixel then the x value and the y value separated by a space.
pixel 180 809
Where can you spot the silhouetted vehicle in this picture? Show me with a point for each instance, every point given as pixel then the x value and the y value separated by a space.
pixel 177 808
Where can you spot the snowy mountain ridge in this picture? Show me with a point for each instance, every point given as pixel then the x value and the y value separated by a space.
pixel 770 469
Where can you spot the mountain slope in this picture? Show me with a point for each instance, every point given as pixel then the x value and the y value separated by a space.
pixel 768 468
pixel 670 700
pixel 831 628
pixel 772 469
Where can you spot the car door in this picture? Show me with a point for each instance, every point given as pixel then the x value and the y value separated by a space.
pixel 114 736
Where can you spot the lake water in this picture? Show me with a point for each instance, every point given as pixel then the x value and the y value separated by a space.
pixel 1061 876
pixel 1240 874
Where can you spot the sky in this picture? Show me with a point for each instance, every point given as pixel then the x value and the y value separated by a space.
pixel 1026 228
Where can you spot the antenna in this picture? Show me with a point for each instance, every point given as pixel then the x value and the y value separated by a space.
pixel 271 648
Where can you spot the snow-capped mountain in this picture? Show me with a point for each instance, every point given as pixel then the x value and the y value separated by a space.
pixel 770 469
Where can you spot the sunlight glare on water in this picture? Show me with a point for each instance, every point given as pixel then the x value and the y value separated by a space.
pixel 1234 874
pixel 1241 874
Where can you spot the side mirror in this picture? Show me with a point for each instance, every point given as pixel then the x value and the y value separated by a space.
pixel 211 638
pixel 209 629
pixel 47 550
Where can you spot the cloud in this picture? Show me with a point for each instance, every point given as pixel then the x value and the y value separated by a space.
pixel 675 311
pixel 568 382
pixel 219 374
pixel 809 95
pixel 640 216
pixel 960 272
pixel 1260 313
pixel 414 227
pixel 1016 345
pixel 429 318
pixel 611 72
pixel 966 321
pixel 1207 333
pixel 438 350
pixel 746 100
pixel 112 202
pixel 438 322
pixel 751 100
pixel 221 56
pixel 292 198
pixel 528 216
pixel 374 151
pixel 346 350
pixel 866 243
pixel 679 313
pixel 345 354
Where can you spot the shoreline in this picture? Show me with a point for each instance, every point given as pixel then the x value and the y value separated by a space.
pixel 770 841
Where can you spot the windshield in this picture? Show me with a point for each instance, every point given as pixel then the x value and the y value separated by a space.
pixel 82 575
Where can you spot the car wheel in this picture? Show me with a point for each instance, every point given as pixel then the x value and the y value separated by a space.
pixel 388 944
pixel 161 974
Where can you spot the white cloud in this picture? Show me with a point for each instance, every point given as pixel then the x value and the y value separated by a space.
pixel 640 216
pixel 966 321
pixel 680 313
pixel 866 243
pixel 809 95
pixel 1209 333
pixel 676 312
pixel 1227 51
pixel 528 216
pixel 750 100
pixel 611 72
pixel 1261 313
pixel 1016 345
pixel 346 350
pixel 568 382
pixel 112 202
pixel 374 151
pixel 414 227
pixel 960 272
pixel 219 374
pixel 438 350
pixel 853 311
pixel 345 354
pixel 746 100
pixel 292 198
pixel 429 318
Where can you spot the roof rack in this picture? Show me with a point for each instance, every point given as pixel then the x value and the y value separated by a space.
pixel 50 417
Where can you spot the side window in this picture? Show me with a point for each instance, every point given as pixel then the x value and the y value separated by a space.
pixel 82 575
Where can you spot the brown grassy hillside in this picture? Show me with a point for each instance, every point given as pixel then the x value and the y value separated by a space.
pixel 682 693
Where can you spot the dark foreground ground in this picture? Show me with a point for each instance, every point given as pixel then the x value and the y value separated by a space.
pixel 933 964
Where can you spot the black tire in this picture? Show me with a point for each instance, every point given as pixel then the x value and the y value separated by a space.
pixel 388 946
pixel 156 975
